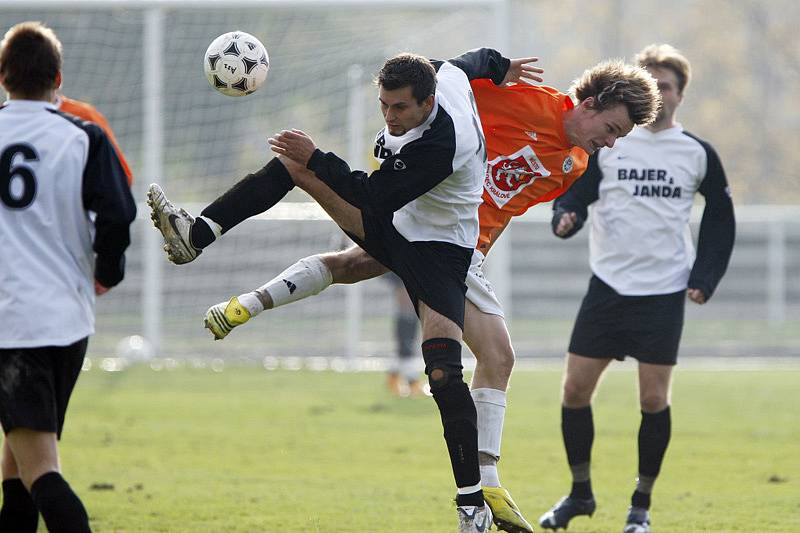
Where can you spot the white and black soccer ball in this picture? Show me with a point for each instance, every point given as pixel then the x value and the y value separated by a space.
pixel 236 63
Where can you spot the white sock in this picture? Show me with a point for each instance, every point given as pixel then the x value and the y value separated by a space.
pixel 490 405
pixel 215 228
pixel 251 302
pixel 305 278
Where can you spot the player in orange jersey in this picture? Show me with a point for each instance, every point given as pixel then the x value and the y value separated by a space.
pixel 538 141
pixel 88 112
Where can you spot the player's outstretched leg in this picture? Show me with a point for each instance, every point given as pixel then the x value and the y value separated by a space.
pixel 174 225
pixel 185 237
pixel 638 521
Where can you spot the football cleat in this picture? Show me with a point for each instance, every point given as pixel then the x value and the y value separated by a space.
pixel 638 521
pixel 565 510
pixel 174 225
pixel 225 316
pixel 506 514
pixel 473 519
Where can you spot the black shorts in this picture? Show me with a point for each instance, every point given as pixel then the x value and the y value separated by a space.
pixel 647 328
pixel 433 272
pixel 36 383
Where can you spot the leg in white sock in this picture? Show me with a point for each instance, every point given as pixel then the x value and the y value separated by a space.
pixel 307 277
pixel 491 407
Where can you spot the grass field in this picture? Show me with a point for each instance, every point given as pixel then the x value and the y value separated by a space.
pixel 249 450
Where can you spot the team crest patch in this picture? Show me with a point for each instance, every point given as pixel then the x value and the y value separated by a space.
pixel 508 175
pixel 399 165
pixel 567 165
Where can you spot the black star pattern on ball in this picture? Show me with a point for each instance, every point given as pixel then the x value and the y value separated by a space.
pixel 218 83
pixel 241 85
pixel 249 64
pixel 212 61
pixel 232 50
pixel 264 61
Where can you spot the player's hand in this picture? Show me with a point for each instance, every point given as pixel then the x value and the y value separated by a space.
pixel 697 296
pixel 100 289
pixel 520 70
pixel 567 222
pixel 294 144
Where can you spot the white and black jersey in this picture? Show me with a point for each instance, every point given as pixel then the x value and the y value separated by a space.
pixel 65 211
pixel 431 178
pixel 641 192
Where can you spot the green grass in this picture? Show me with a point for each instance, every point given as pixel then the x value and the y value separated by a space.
pixel 248 450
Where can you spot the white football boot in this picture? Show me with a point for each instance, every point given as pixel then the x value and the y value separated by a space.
pixel 472 519
pixel 174 225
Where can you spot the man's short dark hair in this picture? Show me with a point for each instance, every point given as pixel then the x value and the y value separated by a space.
pixel 30 59
pixel 409 70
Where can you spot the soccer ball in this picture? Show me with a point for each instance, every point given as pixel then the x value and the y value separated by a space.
pixel 236 63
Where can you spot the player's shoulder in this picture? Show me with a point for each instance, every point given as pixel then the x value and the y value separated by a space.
pixel 699 141
pixel 91 129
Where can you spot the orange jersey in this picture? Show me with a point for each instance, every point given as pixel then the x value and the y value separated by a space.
pixel 530 158
pixel 88 112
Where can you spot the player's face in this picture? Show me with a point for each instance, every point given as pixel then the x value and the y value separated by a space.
pixel 671 98
pixel 401 111
pixel 595 129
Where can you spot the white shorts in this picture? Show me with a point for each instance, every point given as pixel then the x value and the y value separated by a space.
pixel 479 290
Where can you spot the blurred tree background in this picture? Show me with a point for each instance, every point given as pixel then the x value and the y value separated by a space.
pixel 745 57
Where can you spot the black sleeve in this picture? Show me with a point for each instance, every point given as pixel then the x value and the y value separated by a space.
pixel 579 197
pixel 420 166
pixel 483 63
pixel 717 228
pixel 106 192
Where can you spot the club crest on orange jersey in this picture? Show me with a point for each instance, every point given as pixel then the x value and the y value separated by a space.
pixel 507 175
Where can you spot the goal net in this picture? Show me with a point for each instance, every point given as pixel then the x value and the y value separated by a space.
pixel 322 54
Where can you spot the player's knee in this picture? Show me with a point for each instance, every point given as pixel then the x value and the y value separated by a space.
pixel 442 363
pixel 337 263
pixel 575 394
pixel 652 403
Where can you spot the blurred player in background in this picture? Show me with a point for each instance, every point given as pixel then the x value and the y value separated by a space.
pixel 403 376
pixel 54 171
pixel 642 261
pixel 88 112
pixel 537 141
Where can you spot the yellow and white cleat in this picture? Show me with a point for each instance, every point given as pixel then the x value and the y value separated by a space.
pixel 224 316
pixel 506 514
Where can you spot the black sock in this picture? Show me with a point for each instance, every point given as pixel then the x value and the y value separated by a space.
pixel 654 434
pixel 62 510
pixel 253 194
pixel 640 499
pixel 201 234
pixel 577 429
pixel 459 417
pixel 19 513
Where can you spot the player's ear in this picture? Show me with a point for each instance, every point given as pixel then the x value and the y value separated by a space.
pixel 58 80
pixel 588 103
pixel 428 102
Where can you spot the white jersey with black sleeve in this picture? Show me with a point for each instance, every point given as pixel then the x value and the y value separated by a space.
pixel 430 179
pixel 641 193
pixel 65 211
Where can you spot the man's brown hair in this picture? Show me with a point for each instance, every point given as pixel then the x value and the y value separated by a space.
pixel 412 70
pixel 30 59
pixel 615 82
pixel 666 56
